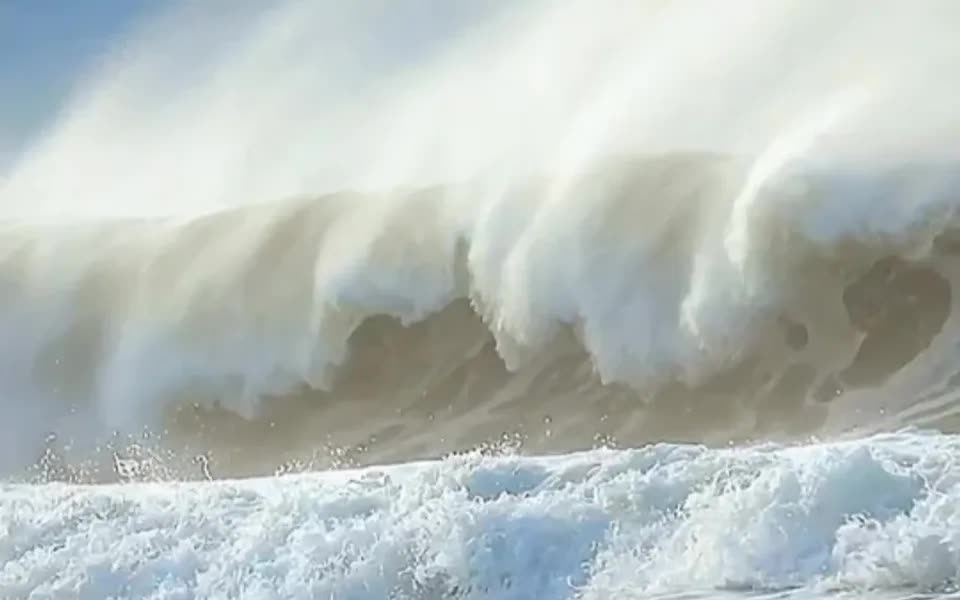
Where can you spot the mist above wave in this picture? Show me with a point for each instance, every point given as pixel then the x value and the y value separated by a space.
pixel 201 108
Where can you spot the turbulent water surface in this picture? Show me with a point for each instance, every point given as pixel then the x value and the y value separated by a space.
pixel 508 300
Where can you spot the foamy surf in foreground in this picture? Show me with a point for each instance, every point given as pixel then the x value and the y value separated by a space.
pixel 877 516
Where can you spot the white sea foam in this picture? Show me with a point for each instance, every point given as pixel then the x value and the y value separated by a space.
pixel 879 513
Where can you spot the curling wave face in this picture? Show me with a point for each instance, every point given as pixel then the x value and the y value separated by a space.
pixel 649 298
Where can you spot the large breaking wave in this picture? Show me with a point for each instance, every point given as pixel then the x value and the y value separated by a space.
pixel 649 299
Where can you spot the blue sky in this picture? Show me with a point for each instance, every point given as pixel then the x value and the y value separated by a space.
pixel 45 46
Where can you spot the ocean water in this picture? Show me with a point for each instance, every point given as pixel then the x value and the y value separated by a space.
pixel 519 300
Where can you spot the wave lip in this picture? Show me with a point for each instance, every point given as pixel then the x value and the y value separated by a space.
pixel 876 514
